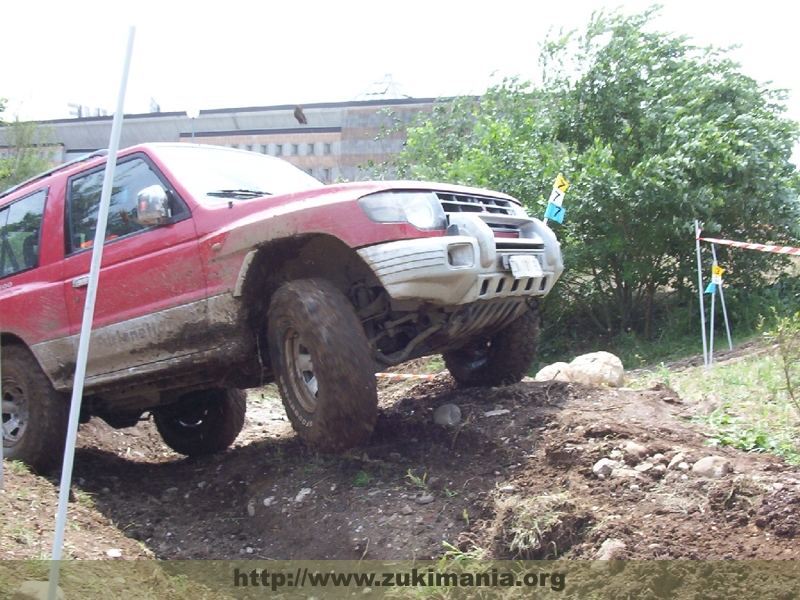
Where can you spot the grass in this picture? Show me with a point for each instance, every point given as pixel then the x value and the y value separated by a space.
pixel 753 410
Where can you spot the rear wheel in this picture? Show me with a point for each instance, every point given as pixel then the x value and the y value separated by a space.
pixel 202 422
pixel 35 416
pixel 500 359
pixel 323 364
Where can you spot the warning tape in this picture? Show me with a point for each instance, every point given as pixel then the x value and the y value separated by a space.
pixel 748 246
pixel 404 376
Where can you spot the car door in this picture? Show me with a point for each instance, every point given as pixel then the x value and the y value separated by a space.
pixel 150 302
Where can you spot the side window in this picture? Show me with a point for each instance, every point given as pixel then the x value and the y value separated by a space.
pixel 130 178
pixel 20 225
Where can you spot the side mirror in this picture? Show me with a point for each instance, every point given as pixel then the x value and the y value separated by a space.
pixel 152 206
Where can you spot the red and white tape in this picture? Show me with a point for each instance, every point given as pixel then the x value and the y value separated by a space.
pixel 404 376
pixel 748 246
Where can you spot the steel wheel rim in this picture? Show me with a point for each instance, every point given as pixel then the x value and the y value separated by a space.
pixel 15 413
pixel 301 371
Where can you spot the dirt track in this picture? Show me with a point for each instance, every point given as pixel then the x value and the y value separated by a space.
pixel 516 483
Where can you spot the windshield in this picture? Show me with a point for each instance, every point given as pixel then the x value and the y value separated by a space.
pixel 213 174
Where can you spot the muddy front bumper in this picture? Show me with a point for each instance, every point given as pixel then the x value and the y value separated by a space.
pixel 469 264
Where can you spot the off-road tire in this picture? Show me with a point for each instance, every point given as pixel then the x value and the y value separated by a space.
pixel 202 422
pixel 323 365
pixel 501 359
pixel 36 431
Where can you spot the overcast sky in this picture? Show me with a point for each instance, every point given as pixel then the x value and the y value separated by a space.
pixel 233 53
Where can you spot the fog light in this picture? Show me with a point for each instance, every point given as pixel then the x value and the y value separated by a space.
pixel 461 255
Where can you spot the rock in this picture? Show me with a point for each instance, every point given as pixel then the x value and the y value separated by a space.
pixel 598 368
pixel 643 467
pixel 676 460
pixel 559 371
pixel 712 466
pixel 683 466
pixel 507 489
pixel 406 510
pixel 36 590
pixel 447 414
pixel 496 413
pixel 114 553
pixel 634 453
pixel 604 467
pixel 611 549
pixel 301 495
pixel 269 501
pixel 424 499
pixel 617 473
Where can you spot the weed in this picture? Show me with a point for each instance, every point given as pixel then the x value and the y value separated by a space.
pixel 418 482
pixel 362 478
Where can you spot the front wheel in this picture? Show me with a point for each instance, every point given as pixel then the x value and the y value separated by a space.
pixel 202 422
pixel 323 364
pixel 501 359
pixel 35 416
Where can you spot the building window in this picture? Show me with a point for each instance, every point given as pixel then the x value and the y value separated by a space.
pixel 310 149
pixel 249 147
pixel 278 149
pixel 326 148
pixel 326 174
pixel 294 150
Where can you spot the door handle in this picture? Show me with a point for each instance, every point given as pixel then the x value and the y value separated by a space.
pixel 81 281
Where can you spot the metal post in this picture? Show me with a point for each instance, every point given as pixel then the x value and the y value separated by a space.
pixel 86 325
pixel 722 299
pixel 700 291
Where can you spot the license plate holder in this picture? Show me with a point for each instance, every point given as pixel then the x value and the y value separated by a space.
pixel 524 266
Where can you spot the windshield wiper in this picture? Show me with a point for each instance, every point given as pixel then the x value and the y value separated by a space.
pixel 241 194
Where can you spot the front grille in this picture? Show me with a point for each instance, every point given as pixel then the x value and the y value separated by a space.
pixel 453 203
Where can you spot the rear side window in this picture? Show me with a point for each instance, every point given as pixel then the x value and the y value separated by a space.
pixel 20 226
pixel 130 178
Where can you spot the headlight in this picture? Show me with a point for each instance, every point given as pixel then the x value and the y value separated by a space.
pixel 420 209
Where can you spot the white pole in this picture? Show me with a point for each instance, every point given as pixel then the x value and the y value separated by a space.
pixel 711 331
pixel 86 325
pixel 700 291
pixel 722 299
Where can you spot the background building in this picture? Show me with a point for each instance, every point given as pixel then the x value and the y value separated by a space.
pixel 331 141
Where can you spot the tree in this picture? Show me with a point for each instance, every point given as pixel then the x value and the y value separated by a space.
pixel 652 132
pixel 27 151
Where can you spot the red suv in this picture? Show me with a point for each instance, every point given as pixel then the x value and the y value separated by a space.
pixel 224 270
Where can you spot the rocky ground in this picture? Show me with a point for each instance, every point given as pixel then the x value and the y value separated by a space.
pixel 533 470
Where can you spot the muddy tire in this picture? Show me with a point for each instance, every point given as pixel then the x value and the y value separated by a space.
pixel 323 365
pixel 202 422
pixel 35 416
pixel 501 359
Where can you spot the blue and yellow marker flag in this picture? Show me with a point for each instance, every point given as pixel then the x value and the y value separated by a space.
pixel 716 279
pixel 554 209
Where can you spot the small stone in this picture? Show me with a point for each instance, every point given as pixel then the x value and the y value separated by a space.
pixel 683 466
pixel 36 590
pixel 676 460
pixel 447 414
pixel 604 467
pixel 496 413
pixel 611 549
pixel 249 550
pixel 301 495
pixel 170 490
pixel 618 473
pixel 643 467
pixel 269 501
pixel 406 510
pixel 634 453
pixel 201 485
pixel 251 507
pixel 634 487
pixel 712 466
pixel 424 499
pixel 366 590
pixel 114 553
pixel 508 489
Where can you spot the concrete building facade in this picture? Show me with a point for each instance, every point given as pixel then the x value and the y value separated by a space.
pixel 335 143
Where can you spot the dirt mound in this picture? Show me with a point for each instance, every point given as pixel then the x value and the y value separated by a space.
pixel 533 471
